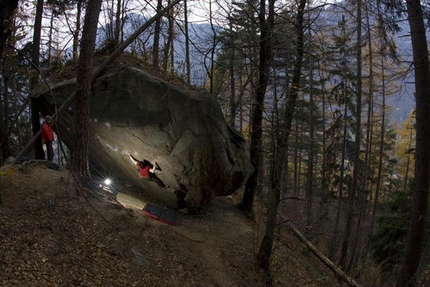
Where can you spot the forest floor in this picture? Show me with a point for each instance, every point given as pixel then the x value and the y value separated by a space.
pixel 53 237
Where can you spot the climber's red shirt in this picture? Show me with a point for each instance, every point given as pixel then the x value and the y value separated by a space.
pixel 143 171
pixel 47 133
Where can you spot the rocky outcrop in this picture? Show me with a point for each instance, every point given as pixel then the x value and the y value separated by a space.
pixel 133 112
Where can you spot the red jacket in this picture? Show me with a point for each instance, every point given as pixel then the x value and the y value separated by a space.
pixel 47 133
pixel 143 172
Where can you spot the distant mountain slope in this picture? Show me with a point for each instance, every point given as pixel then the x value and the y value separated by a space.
pixel 402 102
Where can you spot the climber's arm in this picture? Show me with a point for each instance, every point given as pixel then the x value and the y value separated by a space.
pixel 133 159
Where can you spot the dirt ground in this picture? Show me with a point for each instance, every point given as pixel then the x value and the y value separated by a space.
pixel 51 236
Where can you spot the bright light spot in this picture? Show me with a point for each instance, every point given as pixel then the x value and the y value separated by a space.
pixel 107 181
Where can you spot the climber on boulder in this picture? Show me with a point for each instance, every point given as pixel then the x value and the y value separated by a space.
pixel 147 170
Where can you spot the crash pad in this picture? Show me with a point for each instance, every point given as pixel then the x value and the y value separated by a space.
pixel 159 213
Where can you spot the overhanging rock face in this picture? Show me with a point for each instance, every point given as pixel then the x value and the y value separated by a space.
pixel 187 135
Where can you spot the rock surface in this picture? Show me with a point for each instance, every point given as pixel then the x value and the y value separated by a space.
pixel 186 134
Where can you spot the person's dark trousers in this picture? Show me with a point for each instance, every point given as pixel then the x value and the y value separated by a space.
pixel 50 151
pixel 154 178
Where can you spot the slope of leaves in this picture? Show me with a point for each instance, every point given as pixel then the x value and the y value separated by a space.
pixel 53 237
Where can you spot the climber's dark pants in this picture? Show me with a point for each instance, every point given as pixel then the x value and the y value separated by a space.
pixel 154 178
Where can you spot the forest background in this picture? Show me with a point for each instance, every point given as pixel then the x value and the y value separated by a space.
pixel 306 82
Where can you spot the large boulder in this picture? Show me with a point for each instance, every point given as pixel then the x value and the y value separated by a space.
pixel 134 112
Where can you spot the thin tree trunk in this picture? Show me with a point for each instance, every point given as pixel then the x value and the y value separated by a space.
pixel 359 234
pixel 281 146
pixel 323 186
pixel 382 140
pixel 296 161
pixel 50 42
pixel 187 43
pixel 172 51
pixel 336 270
pixel 381 153
pixel 77 29
pixel 4 138
pixel 310 175
pixel 35 115
pixel 18 112
pixel 157 32
pixel 265 56
pixel 299 167
pixel 118 22
pixel 335 242
pixel 408 161
pixel 232 114
pixel 417 222
pixel 355 180
pixel 169 43
pixel 212 50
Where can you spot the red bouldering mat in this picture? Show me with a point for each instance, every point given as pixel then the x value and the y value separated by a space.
pixel 159 213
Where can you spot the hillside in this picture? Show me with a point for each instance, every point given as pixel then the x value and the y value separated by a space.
pixel 53 237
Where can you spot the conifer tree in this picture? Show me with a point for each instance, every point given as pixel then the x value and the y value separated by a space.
pixel 419 206
pixel 7 8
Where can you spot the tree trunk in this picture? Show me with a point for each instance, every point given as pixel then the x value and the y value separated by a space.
pixel 168 49
pixel 4 102
pixel 187 43
pixel 265 252
pixel 335 240
pixel 360 233
pixel 355 180
pixel 168 42
pixel 79 160
pixel 310 173
pixel 417 222
pixel 382 138
pixel 232 113
pixel 118 21
pixel 35 115
pixel 265 57
pixel 336 270
pixel 408 161
pixel 50 36
pixel 35 125
pixel 157 32
pixel 381 154
pixel 77 30
pixel 211 71
pixel 296 179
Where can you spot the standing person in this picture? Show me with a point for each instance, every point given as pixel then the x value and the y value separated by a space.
pixel 48 137
pixel 147 170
